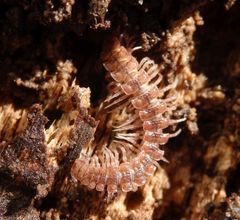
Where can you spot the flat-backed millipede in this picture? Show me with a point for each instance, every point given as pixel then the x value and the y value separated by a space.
pixel 124 159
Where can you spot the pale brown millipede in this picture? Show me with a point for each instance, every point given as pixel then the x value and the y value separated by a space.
pixel 130 155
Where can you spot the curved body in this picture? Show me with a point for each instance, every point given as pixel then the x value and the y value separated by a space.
pixel 138 85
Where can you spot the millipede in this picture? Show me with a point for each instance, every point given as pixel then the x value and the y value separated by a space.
pixel 138 114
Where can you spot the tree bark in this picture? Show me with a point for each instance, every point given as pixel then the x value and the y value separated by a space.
pixel 52 82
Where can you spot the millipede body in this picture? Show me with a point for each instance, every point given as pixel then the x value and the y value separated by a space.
pixel 126 153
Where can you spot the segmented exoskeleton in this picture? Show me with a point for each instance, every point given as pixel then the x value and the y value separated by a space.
pixel 125 162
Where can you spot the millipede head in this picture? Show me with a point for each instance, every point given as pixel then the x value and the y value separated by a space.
pixel 112 44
